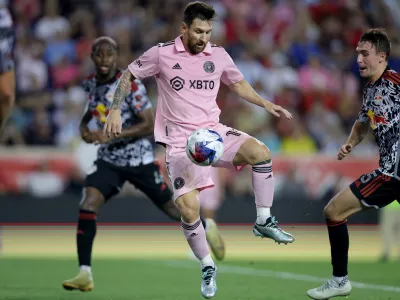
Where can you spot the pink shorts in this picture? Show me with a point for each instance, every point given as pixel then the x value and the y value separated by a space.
pixel 185 176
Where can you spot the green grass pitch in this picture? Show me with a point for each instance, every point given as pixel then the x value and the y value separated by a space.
pixel 138 263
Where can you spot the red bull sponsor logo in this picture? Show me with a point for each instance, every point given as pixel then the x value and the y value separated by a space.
pixel 101 113
pixel 376 120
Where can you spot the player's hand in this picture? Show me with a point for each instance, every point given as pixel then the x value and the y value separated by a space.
pixel 276 110
pixel 344 150
pixel 100 138
pixel 87 135
pixel 113 125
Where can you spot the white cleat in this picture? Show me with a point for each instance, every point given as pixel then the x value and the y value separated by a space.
pixel 209 282
pixel 272 231
pixel 330 289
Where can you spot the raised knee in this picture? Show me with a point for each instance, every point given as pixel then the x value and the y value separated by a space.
pixel 326 212
pixel 259 153
pixel 331 214
pixel 171 209
pixel 189 213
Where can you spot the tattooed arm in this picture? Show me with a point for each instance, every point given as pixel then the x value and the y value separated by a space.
pixel 123 89
pixel 146 65
pixel 113 125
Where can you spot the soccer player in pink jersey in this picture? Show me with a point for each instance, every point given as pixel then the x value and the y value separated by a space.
pixel 188 71
pixel 128 158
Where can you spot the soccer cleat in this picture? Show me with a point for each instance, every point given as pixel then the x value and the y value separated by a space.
pixel 83 282
pixel 330 289
pixel 209 282
pixel 215 240
pixel 272 231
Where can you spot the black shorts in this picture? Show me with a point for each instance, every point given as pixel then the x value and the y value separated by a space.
pixel 7 40
pixel 109 179
pixel 376 189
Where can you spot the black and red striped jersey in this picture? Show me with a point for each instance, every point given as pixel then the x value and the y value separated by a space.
pixel 127 152
pixel 381 108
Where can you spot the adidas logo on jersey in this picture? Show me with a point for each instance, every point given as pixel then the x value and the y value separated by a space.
pixel 177 67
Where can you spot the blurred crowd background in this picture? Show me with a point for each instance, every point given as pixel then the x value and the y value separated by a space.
pixel 297 53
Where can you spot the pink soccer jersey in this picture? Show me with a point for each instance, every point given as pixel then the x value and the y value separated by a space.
pixel 187 87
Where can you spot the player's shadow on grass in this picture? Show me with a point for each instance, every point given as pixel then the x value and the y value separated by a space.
pixel 29 293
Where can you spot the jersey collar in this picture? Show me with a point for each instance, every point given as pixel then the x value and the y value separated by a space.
pixel 111 80
pixel 180 48
pixel 380 78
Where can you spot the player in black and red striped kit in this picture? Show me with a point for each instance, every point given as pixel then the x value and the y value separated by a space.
pixel 380 111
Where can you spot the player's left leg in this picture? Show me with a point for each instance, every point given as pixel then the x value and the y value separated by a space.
pixel 336 212
pixel 149 180
pixel 103 181
pixel 240 150
pixel 370 190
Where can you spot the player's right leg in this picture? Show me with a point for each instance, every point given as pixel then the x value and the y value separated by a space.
pixel 189 206
pixel 102 182
pixel 188 180
pixel 370 190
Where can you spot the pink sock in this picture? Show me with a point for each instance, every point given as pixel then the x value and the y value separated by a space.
pixel 196 237
pixel 263 185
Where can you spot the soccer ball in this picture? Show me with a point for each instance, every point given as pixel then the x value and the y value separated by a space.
pixel 204 147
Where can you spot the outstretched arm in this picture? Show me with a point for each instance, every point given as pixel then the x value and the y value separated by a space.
pixel 113 125
pixel 244 90
pixel 123 89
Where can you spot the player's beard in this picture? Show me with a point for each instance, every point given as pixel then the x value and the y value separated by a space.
pixel 195 47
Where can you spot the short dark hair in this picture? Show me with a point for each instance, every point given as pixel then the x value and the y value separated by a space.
pixel 198 10
pixel 379 38
pixel 104 40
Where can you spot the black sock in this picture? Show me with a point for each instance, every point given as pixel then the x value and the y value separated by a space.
pixel 339 239
pixel 85 235
pixel 203 222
